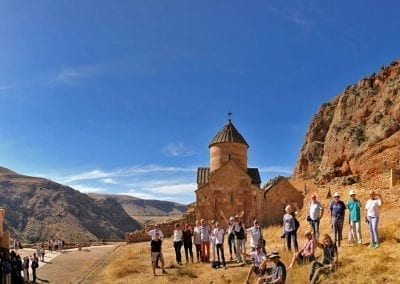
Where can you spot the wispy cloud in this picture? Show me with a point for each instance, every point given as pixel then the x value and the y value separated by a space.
pixel 138 194
pixel 4 88
pixel 98 174
pixel 88 189
pixel 169 187
pixel 276 169
pixel 73 75
pixel 109 181
pixel 178 150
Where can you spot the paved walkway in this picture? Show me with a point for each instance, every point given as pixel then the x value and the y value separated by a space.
pixel 69 266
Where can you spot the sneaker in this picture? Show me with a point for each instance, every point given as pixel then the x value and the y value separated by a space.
pixel 164 272
pixel 376 245
pixel 371 245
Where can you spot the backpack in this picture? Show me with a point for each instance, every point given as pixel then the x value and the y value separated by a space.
pixel 296 224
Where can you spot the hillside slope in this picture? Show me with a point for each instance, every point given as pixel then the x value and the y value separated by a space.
pixel 38 209
pixel 356 135
pixel 145 207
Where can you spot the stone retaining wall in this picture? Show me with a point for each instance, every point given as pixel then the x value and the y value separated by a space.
pixel 167 228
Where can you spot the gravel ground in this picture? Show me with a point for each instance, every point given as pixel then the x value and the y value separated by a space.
pixel 69 266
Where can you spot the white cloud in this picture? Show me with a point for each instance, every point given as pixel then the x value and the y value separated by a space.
pixel 276 169
pixel 137 194
pixel 173 188
pixel 98 174
pixel 178 150
pixel 109 181
pixel 87 189
pixel 74 74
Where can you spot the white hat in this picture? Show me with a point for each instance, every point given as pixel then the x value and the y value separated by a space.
pixel 231 218
pixel 352 192
pixel 336 194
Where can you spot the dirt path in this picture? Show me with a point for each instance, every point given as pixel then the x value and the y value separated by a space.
pixel 70 266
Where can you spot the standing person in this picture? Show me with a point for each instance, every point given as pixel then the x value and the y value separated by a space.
pixel 34 266
pixel 278 275
pixel 316 211
pixel 152 233
pixel 255 235
pixel 329 261
pixel 25 269
pixel 219 242
pixel 354 206
pixel 372 213
pixel 197 240
pixel 156 253
pixel 240 238
pixel 41 253
pixel 212 241
pixel 205 232
pixel 231 235
pixel 178 236
pixel 289 228
pixel 337 209
pixel 187 243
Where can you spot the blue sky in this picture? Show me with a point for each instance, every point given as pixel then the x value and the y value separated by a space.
pixel 124 96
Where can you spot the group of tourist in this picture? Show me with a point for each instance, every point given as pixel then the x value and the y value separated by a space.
pixel 208 239
pixel 12 266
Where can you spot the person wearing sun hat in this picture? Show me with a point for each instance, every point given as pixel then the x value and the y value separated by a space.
pixel 337 209
pixel 372 210
pixel 278 274
pixel 354 206
pixel 306 253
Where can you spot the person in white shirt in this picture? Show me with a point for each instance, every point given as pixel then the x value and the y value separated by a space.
pixel 316 210
pixel 258 266
pixel 178 237
pixel 219 242
pixel 152 233
pixel 372 213
pixel 255 235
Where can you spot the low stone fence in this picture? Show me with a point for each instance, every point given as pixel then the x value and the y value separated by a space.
pixel 167 228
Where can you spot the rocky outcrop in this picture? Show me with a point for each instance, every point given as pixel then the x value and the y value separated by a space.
pixel 356 135
pixel 39 209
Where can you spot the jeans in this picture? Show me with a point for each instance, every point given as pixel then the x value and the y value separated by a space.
pixel 231 243
pixel 373 229
pixel 220 250
pixel 315 227
pixel 289 238
pixel 337 229
pixel 316 269
pixel 240 243
pixel 188 251
pixel 178 255
pixel 198 252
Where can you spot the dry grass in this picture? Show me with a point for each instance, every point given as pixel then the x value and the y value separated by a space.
pixel 357 264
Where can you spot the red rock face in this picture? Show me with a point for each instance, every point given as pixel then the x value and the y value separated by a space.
pixel 357 133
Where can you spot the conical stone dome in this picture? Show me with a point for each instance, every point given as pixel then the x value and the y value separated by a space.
pixel 228 133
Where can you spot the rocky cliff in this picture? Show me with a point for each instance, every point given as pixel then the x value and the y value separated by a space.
pixel 38 209
pixel 356 135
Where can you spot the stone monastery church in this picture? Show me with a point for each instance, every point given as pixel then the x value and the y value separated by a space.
pixel 230 186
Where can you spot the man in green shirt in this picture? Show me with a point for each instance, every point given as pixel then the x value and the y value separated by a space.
pixel 354 206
